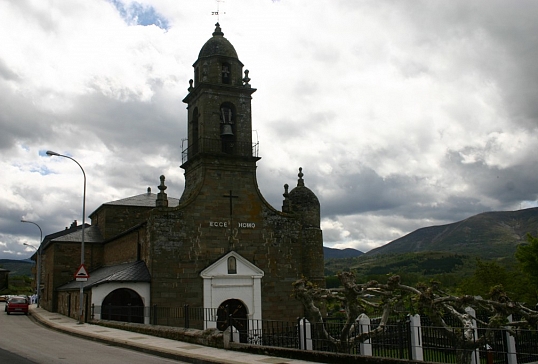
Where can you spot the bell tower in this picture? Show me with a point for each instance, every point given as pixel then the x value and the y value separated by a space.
pixel 223 230
pixel 219 112
pixel 219 118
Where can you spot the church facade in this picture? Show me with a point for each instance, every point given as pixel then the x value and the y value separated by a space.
pixel 221 244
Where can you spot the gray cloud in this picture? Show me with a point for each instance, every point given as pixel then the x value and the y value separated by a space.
pixel 402 114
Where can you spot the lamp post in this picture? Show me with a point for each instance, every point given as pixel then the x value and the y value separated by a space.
pixel 81 298
pixel 38 250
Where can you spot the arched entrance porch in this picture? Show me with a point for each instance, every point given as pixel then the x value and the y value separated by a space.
pixel 123 304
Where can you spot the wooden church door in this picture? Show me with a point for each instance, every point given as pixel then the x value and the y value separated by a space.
pixel 238 312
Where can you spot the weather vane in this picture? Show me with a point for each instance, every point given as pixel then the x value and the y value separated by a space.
pixel 217 13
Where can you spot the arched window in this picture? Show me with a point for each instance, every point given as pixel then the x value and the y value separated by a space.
pixel 226 72
pixel 232 265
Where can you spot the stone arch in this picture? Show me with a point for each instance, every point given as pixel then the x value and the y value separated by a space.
pixel 123 304
pixel 239 317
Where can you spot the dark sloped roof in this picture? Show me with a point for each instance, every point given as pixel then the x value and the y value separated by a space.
pixel 91 235
pixel 68 231
pixel 128 272
pixel 143 200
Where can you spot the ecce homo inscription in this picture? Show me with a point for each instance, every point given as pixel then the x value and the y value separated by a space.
pixel 224 224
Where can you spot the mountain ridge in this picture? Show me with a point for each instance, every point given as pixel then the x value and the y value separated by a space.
pixel 488 235
pixel 22 267
pixel 333 253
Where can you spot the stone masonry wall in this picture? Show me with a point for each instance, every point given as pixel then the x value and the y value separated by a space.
pixel 113 220
pixel 123 249
pixel 60 263
pixel 187 239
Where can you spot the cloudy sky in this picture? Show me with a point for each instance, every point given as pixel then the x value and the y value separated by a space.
pixel 403 114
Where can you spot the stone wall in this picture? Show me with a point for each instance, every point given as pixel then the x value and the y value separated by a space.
pixel 113 220
pixel 217 339
pixel 188 239
pixel 123 249
pixel 60 263
pixel 210 337
pixel 68 303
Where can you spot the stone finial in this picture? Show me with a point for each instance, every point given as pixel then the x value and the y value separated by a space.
pixel 149 190
pixel 286 205
pixel 300 181
pixel 162 187
pixel 246 80
pixel 190 85
pixel 162 199
pixel 217 31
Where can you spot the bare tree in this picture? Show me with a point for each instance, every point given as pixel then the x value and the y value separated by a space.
pixel 428 300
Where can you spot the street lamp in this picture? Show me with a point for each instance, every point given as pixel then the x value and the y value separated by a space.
pixel 38 250
pixel 81 299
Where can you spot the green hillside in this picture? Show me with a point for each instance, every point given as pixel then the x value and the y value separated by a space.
pixel 421 264
pixel 451 255
pixel 490 235
pixel 17 267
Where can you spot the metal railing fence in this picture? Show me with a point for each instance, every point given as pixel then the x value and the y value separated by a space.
pixel 393 342
pixel 210 145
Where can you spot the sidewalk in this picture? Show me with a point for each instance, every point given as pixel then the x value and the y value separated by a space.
pixel 152 345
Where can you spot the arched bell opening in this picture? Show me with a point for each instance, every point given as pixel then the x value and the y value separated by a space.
pixel 228 127
pixel 226 73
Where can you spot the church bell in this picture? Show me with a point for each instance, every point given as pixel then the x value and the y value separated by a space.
pixel 226 130
pixel 226 120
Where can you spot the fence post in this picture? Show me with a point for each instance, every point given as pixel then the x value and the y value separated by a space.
pixel 186 312
pixel 511 353
pixel 417 352
pixel 401 339
pixel 363 322
pixel 93 311
pixel 476 354
pixel 305 334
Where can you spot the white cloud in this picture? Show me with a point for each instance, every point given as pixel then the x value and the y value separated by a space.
pixel 402 114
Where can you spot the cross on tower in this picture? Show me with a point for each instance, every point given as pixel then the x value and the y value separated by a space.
pixel 230 196
pixel 217 13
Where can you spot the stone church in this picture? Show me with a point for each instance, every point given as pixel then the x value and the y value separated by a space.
pixel 220 245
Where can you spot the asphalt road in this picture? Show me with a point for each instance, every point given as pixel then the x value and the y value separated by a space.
pixel 22 341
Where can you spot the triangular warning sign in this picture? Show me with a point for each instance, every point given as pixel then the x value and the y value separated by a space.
pixel 82 273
